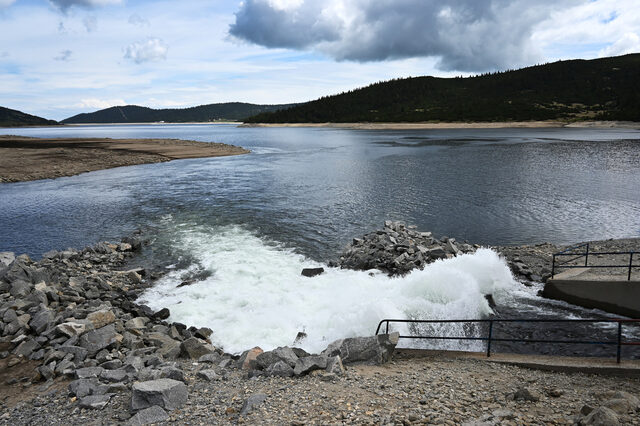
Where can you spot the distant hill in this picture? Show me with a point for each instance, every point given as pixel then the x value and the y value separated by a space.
pixel 233 111
pixel 607 89
pixel 15 118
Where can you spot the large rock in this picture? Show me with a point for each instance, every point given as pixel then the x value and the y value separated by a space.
pixel 308 364
pixel 96 340
pixel 602 416
pixel 286 354
pixel 194 348
pixel 101 318
pixel 96 402
pixel 41 321
pixel 166 393
pixel 147 416
pixel 280 369
pixel 248 358
pixel 168 348
pixel 71 329
pixel 252 402
pixel 367 350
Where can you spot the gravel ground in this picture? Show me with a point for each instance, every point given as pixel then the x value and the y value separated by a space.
pixel 408 390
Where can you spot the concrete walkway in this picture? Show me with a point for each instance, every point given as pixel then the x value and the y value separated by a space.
pixel 602 366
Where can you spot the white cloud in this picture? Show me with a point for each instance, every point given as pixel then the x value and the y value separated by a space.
pixel 136 19
pixel 64 55
pixel 150 50
pixel 65 5
pixel 99 103
pixel 90 23
pixel 467 35
pixel 628 43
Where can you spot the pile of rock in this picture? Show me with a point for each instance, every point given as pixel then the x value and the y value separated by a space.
pixel 617 403
pixel 73 315
pixel 397 249
pixel 288 362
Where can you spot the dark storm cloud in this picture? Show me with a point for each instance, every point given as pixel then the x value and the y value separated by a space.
pixel 260 23
pixel 466 35
pixel 65 5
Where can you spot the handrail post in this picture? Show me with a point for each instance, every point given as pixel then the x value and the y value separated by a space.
pixel 619 341
pixel 630 265
pixel 586 256
pixel 387 327
pixel 489 338
pixel 553 265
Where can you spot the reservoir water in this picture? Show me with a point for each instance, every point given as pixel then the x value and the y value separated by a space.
pixel 244 226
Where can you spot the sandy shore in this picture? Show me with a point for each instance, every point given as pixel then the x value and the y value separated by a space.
pixel 23 158
pixel 481 125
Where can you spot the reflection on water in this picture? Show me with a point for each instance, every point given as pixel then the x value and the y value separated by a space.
pixel 314 189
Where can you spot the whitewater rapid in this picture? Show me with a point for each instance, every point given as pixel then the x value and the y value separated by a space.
pixel 256 296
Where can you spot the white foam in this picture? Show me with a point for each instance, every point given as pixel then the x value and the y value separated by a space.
pixel 256 295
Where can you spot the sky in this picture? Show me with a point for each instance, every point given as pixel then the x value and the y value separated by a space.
pixel 59 58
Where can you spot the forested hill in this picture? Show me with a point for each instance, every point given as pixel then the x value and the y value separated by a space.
pixel 607 89
pixel 233 111
pixel 15 118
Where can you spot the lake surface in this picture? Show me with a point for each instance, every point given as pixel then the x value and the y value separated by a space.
pixel 243 226
pixel 315 189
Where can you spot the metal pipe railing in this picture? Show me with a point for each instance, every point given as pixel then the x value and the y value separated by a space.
pixel 489 337
pixel 569 252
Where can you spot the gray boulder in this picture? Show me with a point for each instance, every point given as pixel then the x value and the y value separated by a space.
pixel 280 369
pixel 83 387
pixel 26 348
pixel 149 415
pixel 41 320
pixel 194 348
pixel 166 393
pixel 334 365
pixel 286 354
pixel 96 340
pixel 88 372
pixel 367 350
pixel 20 288
pixel 172 373
pixel 602 416
pixel 252 402
pixel 207 375
pixel 96 402
pixel 310 363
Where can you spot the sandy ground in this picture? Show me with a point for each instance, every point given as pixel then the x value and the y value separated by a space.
pixel 483 125
pixel 23 158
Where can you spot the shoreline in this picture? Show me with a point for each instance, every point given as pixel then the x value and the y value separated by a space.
pixel 78 346
pixel 26 158
pixel 451 125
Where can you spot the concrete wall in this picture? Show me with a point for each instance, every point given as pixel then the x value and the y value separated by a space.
pixel 618 297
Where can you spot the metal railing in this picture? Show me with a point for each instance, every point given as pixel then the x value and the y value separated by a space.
pixel 571 252
pixel 618 342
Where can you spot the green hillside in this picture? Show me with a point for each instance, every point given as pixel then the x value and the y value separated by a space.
pixel 233 111
pixel 15 118
pixel 606 89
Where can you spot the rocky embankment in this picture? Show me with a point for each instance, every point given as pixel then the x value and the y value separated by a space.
pixel 71 317
pixel 398 249
pixel 76 348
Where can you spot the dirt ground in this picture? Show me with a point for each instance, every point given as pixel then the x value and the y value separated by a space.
pixel 23 158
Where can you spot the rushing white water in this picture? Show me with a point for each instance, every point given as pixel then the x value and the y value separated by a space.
pixel 257 296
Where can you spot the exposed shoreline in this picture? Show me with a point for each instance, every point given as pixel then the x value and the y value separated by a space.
pixel 474 125
pixel 25 158
pixel 77 348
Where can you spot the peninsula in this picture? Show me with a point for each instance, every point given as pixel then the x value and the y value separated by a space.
pixel 24 158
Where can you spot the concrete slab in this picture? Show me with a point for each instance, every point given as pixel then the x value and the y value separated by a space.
pixel 601 366
pixel 615 296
